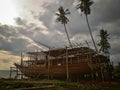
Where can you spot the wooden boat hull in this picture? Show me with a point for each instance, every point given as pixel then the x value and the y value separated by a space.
pixel 72 69
pixel 32 71
pixel 55 70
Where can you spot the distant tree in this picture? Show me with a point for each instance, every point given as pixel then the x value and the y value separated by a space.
pixel 63 19
pixel 104 44
pixel 84 6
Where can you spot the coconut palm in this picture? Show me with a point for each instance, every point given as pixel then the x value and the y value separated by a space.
pixel 84 6
pixel 63 19
pixel 104 47
pixel 104 44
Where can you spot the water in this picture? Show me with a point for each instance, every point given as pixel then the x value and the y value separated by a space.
pixel 4 73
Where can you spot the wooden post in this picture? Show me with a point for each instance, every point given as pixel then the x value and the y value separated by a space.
pixel 87 44
pixel 67 71
pixel 49 64
pixel 21 59
pixel 101 70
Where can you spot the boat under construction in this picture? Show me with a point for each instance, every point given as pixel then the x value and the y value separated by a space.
pixel 71 63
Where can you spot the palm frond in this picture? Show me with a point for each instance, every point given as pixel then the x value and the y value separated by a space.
pixel 84 6
pixel 62 15
pixel 57 14
pixel 67 11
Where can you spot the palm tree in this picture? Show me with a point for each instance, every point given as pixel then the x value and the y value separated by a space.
pixel 104 47
pixel 63 19
pixel 104 44
pixel 84 6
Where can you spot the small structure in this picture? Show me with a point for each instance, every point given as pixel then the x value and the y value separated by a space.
pixel 74 63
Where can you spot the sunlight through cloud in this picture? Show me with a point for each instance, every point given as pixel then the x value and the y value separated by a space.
pixel 7 12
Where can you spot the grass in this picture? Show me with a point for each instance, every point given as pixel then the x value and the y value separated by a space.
pixel 56 85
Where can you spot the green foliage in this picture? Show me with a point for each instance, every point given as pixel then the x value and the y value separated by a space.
pixel 63 19
pixel 84 6
pixel 62 15
pixel 104 44
pixel 61 88
pixel 63 85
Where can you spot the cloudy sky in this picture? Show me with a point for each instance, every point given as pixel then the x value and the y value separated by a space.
pixel 30 25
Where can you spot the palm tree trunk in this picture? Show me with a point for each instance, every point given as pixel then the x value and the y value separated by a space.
pixel 67 35
pixel 94 45
pixel 91 34
pixel 67 70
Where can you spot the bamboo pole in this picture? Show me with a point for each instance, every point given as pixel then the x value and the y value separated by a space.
pixel 21 59
pixel 49 64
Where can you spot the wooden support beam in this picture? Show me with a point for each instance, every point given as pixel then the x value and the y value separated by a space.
pixel 49 64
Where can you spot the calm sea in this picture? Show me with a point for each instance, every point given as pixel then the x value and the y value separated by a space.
pixel 4 73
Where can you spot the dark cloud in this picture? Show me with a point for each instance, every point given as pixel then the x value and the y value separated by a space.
pixel 30 36
pixel 65 3
pixel 75 26
pixel 104 15
pixel 20 21
pixel 45 17
pixel 14 40
pixel 105 11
